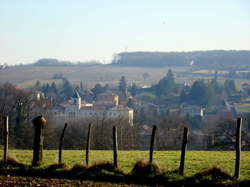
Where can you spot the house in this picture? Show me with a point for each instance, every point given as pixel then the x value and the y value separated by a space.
pixel 105 108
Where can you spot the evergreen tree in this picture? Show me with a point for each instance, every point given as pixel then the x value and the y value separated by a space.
pixel 43 87
pixel 81 87
pixel 123 90
pixel 38 86
pixel 170 77
pixel 54 88
pixel 199 93
pixel 97 90
pixel 229 86
pixel 215 86
pixel 46 88
pixel 67 89
pixel 134 89
pixel 166 85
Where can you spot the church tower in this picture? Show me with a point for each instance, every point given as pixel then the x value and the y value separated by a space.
pixel 76 100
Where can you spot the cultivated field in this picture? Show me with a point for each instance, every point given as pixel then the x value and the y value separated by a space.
pixel 25 76
pixel 196 161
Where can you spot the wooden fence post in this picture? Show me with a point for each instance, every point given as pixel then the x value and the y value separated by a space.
pixel 152 145
pixel 115 146
pixel 39 123
pixel 88 145
pixel 6 138
pixel 61 144
pixel 183 150
pixel 238 148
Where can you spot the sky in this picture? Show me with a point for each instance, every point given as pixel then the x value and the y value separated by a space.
pixel 85 30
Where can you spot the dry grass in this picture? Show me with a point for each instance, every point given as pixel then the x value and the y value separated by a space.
pixel 216 174
pixel 144 168
pixel 105 165
pixel 78 167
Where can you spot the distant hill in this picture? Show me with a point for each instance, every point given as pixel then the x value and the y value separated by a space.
pixel 218 59
pixel 54 62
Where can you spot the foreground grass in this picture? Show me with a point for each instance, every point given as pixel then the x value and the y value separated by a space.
pixel 196 161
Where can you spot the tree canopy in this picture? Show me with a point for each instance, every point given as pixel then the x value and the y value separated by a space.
pixel 166 85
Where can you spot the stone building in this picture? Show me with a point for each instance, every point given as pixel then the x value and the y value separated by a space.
pixel 106 107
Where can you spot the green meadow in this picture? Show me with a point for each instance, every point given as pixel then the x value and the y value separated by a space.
pixel 196 161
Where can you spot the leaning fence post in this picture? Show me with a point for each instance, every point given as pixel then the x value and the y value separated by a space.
pixel 61 144
pixel 39 123
pixel 115 146
pixel 6 137
pixel 183 150
pixel 238 148
pixel 152 145
pixel 88 145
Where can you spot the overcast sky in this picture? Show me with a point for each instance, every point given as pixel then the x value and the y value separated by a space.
pixel 82 30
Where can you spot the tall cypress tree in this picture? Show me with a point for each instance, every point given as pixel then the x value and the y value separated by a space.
pixel 123 90
pixel 67 89
pixel 81 86
pixel 54 88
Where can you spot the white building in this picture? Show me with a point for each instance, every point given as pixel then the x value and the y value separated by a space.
pixel 102 109
pixel 192 111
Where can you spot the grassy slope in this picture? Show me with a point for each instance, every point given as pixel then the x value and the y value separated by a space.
pixel 169 160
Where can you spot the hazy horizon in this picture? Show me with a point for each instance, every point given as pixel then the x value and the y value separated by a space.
pixel 94 30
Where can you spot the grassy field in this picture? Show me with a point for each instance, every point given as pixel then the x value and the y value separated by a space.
pixel 242 108
pixel 168 160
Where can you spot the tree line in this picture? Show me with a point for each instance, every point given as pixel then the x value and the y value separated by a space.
pixel 215 59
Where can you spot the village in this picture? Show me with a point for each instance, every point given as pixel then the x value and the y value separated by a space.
pixel 141 108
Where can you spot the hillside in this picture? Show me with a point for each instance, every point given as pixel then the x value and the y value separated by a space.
pixel 26 76
pixel 216 59
pixel 188 66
